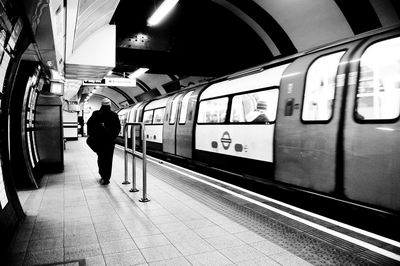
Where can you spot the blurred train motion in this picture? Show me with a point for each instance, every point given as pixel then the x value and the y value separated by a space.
pixel 324 120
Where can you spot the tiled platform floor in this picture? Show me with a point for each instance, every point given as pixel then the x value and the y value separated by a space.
pixel 73 220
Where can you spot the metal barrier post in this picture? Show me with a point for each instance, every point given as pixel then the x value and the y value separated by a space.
pixel 144 166
pixel 144 159
pixel 133 135
pixel 126 154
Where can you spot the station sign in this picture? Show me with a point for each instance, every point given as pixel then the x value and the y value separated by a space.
pixel 93 82
pixel 116 82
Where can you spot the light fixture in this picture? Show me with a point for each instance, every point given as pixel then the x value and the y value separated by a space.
pixel 161 12
pixel 138 72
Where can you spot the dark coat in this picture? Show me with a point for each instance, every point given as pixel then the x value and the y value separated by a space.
pixel 261 119
pixel 104 125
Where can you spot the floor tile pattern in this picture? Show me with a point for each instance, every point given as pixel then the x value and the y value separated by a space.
pixel 73 220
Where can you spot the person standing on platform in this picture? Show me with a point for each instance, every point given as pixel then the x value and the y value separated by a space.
pixel 104 126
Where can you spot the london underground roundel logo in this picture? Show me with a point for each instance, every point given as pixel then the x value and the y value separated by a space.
pixel 226 140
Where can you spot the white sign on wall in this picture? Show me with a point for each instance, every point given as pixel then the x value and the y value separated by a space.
pixel 116 82
pixel 120 82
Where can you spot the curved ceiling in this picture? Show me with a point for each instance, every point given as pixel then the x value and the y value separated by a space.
pixel 215 37
pixel 210 38
pixel 199 38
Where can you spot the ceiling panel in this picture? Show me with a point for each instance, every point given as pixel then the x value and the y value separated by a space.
pixel 83 72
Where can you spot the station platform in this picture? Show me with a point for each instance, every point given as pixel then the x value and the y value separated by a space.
pixel 189 220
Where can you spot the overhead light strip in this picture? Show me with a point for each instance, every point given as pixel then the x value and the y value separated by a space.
pixel 163 10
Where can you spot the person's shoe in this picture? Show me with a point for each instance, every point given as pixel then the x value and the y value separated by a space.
pixel 104 182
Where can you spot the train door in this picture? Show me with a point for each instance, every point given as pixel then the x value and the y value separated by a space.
pixel 308 124
pixel 139 118
pixel 185 125
pixel 169 131
pixel 132 119
pixel 372 126
pixel 122 115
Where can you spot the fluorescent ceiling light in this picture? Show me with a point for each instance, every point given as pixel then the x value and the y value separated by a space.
pixel 138 72
pixel 162 11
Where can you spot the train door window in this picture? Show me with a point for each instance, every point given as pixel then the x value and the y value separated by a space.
pixel 378 92
pixel 256 107
pixel 174 109
pixel 319 92
pixel 213 111
pixel 148 117
pixel 159 116
pixel 184 108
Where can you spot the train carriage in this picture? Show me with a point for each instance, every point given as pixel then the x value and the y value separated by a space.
pixel 338 122
pixel 325 121
pixel 229 131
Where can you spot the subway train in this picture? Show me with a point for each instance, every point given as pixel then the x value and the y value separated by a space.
pixel 324 120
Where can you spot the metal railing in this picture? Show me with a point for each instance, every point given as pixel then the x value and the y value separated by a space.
pixel 133 153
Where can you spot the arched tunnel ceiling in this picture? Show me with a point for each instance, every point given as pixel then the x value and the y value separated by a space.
pixel 199 38
pixel 210 38
pixel 216 37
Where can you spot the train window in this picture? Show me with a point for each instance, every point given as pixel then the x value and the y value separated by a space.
pixel 159 116
pixel 148 117
pixel 378 93
pixel 174 109
pixel 184 108
pixel 213 111
pixel 257 107
pixel 319 92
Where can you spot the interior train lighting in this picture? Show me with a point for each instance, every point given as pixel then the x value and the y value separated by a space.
pixel 138 72
pixel 385 128
pixel 163 10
